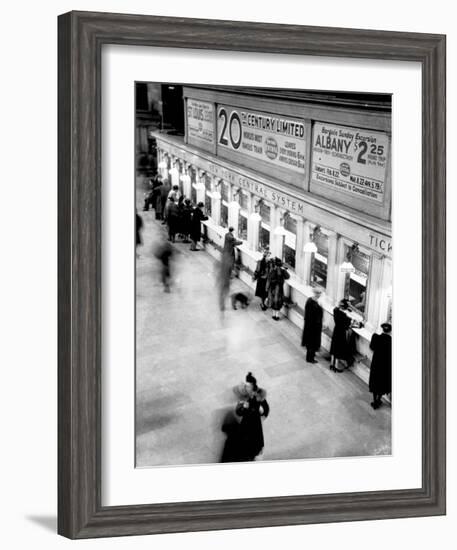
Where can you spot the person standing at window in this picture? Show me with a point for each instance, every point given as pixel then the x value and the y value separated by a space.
pixel 380 381
pixel 195 229
pixel 278 274
pixel 261 276
pixel 312 329
pixel 339 349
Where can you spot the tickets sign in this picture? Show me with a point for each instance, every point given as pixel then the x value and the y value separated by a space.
pixel 350 160
pixel 200 121
pixel 271 138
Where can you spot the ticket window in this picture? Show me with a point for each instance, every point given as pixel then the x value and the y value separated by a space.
pixel 224 214
pixel 243 216
pixel 265 227
pixel 224 204
pixel 290 242
pixel 243 226
pixel 208 202
pixel 320 261
pixel 357 281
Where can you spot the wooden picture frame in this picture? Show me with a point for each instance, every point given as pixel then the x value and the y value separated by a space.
pixel 81 37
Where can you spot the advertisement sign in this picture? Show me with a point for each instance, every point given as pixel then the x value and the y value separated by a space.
pixel 200 121
pixel 275 139
pixel 351 160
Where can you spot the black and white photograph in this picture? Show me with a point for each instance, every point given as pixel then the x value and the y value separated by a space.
pixel 263 271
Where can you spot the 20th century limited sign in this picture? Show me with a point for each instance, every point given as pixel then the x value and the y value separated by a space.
pixel 350 160
pixel 277 140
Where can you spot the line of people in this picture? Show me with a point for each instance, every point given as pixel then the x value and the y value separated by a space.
pixel 342 347
pixel 182 218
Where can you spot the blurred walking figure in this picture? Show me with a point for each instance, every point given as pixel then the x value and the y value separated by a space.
pixel 138 230
pixel 380 381
pixel 312 329
pixel 226 267
pixel 172 219
pixel 195 229
pixel 251 410
pixel 163 251
pixel 261 276
pixel 275 286
pixel 232 447
pixel 340 348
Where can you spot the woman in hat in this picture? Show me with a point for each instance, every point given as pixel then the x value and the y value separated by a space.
pixel 251 410
pixel 275 284
pixel 380 382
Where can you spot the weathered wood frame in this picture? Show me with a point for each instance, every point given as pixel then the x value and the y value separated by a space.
pixel 81 36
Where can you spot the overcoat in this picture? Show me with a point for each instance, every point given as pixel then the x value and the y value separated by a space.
pixel 380 381
pixel 251 431
pixel 197 218
pixel 173 217
pixel 312 329
pixel 261 276
pixel 340 348
pixel 275 283
pixel 186 219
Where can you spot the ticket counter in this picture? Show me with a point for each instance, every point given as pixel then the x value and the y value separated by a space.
pixel 311 183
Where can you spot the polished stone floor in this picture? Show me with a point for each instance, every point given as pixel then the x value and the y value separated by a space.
pixel 189 359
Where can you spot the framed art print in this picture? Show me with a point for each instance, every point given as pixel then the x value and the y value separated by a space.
pixel 251 274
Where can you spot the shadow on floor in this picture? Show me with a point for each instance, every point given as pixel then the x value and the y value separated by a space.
pixel 47 522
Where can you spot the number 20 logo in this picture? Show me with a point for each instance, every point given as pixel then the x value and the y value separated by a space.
pixel 232 126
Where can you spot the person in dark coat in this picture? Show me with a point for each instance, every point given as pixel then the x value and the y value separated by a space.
pixel 150 196
pixel 180 215
pixel 172 219
pixel 228 252
pixel 340 348
pixel 380 381
pixel 275 285
pixel 157 198
pixel 195 230
pixel 261 276
pixel 312 329
pixel 186 220
pixel 252 410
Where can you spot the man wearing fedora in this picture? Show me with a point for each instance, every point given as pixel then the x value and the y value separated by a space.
pixel 312 329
